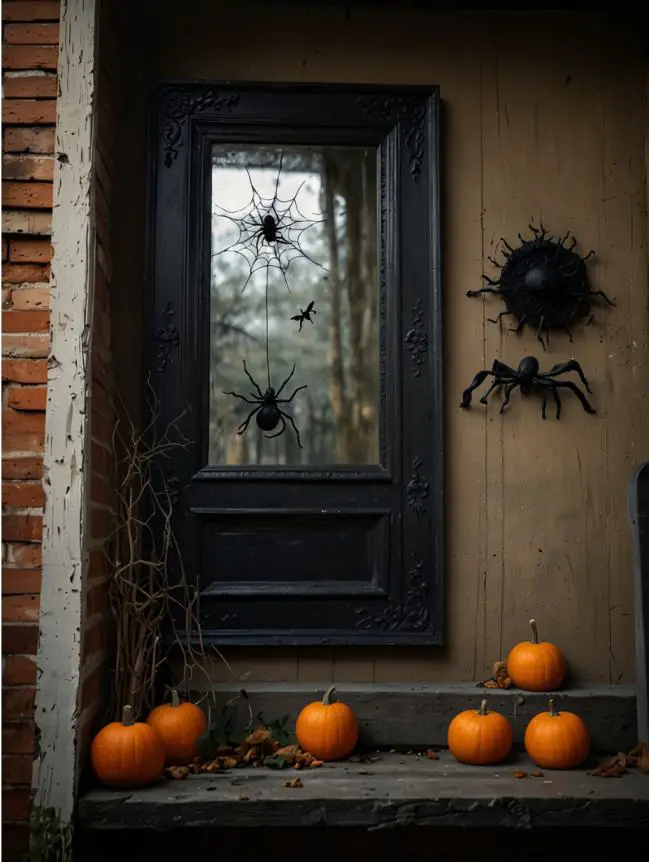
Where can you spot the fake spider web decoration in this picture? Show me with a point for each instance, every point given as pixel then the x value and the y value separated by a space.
pixel 268 235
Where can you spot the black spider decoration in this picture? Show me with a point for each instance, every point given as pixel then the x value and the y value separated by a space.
pixel 305 314
pixel 270 231
pixel 266 407
pixel 530 379
pixel 544 283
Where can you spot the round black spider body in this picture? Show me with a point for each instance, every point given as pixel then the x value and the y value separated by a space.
pixel 544 283
pixel 268 417
pixel 528 369
pixel 269 228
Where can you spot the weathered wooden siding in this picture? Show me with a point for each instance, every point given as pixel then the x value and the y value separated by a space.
pixel 544 118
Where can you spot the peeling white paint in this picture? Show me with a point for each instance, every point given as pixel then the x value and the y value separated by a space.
pixel 67 432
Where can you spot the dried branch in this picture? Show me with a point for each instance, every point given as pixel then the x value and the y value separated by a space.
pixel 149 590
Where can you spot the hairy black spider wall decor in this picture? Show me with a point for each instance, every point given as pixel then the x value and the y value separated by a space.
pixel 266 407
pixel 544 284
pixel 529 378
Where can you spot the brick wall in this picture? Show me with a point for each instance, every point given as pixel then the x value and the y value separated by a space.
pixel 30 56
pixel 30 53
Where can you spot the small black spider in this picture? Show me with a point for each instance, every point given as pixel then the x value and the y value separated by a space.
pixel 529 378
pixel 266 408
pixel 305 314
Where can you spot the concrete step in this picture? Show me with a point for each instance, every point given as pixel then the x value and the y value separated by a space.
pixel 407 716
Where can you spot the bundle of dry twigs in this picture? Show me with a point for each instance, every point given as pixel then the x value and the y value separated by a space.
pixel 151 606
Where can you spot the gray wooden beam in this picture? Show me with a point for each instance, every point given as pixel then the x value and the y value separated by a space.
pixel 638 500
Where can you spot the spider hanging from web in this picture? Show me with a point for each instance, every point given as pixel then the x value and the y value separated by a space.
pixel 269 230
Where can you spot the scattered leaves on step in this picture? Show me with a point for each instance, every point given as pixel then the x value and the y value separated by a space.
pixel 639 757
pixel 244 799
pixel 500 677
pixel 613 768
pixel 295 782
pixel 177 773
pixel 431 755
pixel 537 774
pixel 520 773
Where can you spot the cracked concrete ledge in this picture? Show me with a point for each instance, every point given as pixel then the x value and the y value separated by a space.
pixel 414 715
pixel 395 790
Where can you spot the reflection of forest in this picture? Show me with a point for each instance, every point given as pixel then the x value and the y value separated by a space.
pixel 337 355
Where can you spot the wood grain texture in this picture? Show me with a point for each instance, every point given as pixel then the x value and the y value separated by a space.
pixel 550 126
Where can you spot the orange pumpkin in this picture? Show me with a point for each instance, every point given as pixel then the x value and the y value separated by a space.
pixel 127 753
pixel 557 740
pixel 535 666
pixel 480 737
pixel 328 731
pixel 178 725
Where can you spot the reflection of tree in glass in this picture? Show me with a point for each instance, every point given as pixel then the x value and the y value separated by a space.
pixel 338 356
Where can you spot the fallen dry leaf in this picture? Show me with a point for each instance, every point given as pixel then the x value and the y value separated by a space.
pixel 177 773
pixel 639 756
pixel 613 768
pixel 244 799
pixel 520 773
pixel 537 774
pixel 431 755
pixel 295 782
pixel 500 678
pixel 315 764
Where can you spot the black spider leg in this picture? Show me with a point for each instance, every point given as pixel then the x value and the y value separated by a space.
pixel 564 368
pixel 539 334
pixel 603 295
pixel 509 388
pixel 244 425
pixel 283 416
pixel 568 384
pixel 545 385
pixel 499 370
pixel 251 379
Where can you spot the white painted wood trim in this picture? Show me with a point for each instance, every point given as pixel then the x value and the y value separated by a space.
pixel 67 438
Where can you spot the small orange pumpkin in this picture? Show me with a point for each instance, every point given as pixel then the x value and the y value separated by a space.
pixel 178 725
pixel 535 666
pixel 480 737
pixel 557 740
pixel 328 731
pixel 127 753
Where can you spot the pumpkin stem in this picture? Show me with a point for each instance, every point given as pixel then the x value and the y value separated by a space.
pixel 327 695
pixel 535 632
pixel 483 707
pixel 127 715
pixel 553 707
pixel 175 700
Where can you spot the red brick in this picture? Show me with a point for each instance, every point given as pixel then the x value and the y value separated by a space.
pixel 36 345
pixel 101 490
pixel 27 397
pixel 93 687
pixel 17 770
pixel 31 10
pixel 93 640
pixel 26 321
pixel 23 495
pixel 19 639
pixel 24 556
pixel 29 57
pixel 5 249
pixel 30 298
pixel 15 422
pixel 30 87
pixel 31 34
pixel 29 195
pixel 101 522
pixel 15 805
pixel 22 528
pixel 39 139
pixel 20 273
pixel 18 737
pixel 18 670
pixel 29 222
pixel 97 599
pixel 14 444
pixel 27 168
pixel 20 581
pixel 15 841
pixel 98 564
pixel 20 609
pixel 28 112
pixel 25 370
pixel 18 703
